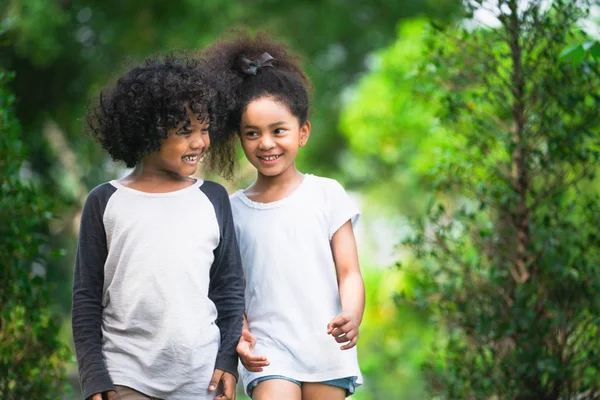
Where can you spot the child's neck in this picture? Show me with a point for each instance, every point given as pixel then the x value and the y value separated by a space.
pixel 267 189
pixel 151 180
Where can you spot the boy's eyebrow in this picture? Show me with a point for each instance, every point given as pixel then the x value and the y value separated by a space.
pixel 270 126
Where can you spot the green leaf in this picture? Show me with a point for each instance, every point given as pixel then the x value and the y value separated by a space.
pixel 566 53
pixel 595 50
pixel 577 55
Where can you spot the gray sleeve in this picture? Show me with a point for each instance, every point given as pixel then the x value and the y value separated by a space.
pixel 87 293
pixel 226 288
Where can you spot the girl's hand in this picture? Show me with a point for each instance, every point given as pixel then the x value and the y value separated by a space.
pixel 245 348
pixel 110 395
pixel 344 329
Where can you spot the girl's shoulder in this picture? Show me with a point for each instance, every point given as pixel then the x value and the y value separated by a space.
pixel 323 184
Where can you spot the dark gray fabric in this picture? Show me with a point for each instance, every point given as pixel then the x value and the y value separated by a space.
pixel 227 287
pixel 87 293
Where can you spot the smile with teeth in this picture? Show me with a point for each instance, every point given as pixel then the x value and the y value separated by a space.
pixel 269 158
pixel 190 158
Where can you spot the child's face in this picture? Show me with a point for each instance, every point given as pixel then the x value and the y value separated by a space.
pixel 181 151
pixel 271 135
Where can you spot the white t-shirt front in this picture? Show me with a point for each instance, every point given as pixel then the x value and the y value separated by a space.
pixel 291 283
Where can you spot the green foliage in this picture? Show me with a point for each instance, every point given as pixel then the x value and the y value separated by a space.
pixel 393 339
pixel 579 51
pixel 28 22
pixel 510 248
pixel 32 359
pixel 391 132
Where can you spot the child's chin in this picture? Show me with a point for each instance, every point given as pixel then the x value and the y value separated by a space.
pixel 188 171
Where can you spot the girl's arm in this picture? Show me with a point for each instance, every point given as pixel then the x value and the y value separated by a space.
pixel 345 327
pixel 245 350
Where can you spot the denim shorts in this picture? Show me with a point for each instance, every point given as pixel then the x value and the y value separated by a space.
pixel 344 383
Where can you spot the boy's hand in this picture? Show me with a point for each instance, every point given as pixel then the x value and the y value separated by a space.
pixel 245 348
pixel 344 329
pixel 110 395
pixel 228 382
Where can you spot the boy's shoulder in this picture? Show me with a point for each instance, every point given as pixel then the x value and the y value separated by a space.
pixel 213 188
pixel 102 192
pixel 216 194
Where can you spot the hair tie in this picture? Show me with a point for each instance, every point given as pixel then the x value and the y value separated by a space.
pixel 251 67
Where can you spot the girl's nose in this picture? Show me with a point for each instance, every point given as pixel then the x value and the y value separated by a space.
pixel 266 142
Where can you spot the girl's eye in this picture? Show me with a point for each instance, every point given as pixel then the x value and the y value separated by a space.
pixel 251 134
pixel 204 131
pixel 279 130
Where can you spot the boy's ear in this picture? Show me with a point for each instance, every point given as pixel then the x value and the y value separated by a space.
pixel 304 133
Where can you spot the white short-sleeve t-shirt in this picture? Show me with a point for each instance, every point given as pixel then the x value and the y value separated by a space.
pixel 291 284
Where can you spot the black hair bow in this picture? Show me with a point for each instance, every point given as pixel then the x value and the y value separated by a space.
pixel 251 67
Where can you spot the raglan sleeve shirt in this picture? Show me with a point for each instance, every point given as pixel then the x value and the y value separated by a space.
pixel 226 288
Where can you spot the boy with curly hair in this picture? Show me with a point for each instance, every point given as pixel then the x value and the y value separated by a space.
pixel 158 293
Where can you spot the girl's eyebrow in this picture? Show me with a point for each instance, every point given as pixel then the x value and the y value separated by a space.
pixel 270 126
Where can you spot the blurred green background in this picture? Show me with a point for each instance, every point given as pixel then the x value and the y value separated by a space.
pixel 386 120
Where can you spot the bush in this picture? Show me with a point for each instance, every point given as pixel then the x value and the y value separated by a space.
pixel 32 359
pixel 511 245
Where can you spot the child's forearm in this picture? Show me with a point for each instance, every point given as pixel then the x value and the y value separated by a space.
pixel 352 294
pixel 245 325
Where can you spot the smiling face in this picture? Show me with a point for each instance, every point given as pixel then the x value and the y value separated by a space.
pixel 271 135
pixel 183 148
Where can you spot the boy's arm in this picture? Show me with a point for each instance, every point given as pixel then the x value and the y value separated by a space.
pixel 87 298
pixel 344 328
pixel 226 288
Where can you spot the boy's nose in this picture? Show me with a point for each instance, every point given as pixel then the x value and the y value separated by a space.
pixel 198 142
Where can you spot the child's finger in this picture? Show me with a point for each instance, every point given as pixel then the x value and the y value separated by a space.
pixel 252 358
pixel 341 339
pixel 351 334
pixel 257 363
pixel 343 329
pixel 338 321
pixel 214 381
pixel 228 387
pixel 346 337
pixel 254 363
pixel 351 344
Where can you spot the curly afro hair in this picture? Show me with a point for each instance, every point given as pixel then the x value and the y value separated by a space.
pixel 132 116
pixel 282 79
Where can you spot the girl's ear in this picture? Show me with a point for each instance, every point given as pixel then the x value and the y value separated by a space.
pixel 304 133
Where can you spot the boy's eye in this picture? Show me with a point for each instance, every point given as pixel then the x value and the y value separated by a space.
pixel 279 130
